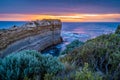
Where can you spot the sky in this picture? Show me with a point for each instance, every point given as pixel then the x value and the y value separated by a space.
pixel 66 10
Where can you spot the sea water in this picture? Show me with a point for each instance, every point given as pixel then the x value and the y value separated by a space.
pixel 8 24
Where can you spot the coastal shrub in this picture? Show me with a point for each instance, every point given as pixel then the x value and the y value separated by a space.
pixel 30 64
pixel 51 64
pixel 70 47
pixel 0 67
pixel 49 76
pixel 78 74
pixel 118 30
pixel 16 66
pixel 69 67
pixel 0 61
pixel 101 53
pixel 86 74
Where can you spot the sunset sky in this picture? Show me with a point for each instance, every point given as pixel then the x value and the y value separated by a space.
pixel 66 10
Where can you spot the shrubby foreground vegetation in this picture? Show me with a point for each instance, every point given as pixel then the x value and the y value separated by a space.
pixel 96 59
pixel 102 54
pixel 28 65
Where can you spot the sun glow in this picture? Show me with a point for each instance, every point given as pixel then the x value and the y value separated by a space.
pixel 63 17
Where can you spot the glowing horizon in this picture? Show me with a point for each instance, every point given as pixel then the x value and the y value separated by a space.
pixel 64 17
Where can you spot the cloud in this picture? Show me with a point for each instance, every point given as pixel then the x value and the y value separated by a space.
pixel 64 17
pixel 59 6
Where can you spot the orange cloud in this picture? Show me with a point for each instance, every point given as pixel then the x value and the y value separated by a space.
pixel 64 17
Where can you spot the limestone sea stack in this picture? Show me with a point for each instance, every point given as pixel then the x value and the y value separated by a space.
pixel 34 35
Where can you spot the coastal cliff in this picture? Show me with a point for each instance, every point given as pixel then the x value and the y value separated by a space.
pixel 34 35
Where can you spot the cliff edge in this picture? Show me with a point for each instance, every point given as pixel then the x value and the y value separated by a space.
pixel 34 35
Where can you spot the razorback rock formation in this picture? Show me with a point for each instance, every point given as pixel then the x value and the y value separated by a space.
pixel 34 35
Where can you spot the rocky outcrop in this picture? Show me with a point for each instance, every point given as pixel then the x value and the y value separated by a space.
pixel 34 35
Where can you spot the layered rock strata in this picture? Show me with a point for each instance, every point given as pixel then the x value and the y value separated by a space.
pixel 34 35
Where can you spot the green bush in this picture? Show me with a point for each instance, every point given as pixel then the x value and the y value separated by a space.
pixel 86 74
pixel 80 74
pixel 49 76
pixel 117 30
pixel 0 67
pixel 70 47
pixel 101 53
pixel 17 66
pixel 51 64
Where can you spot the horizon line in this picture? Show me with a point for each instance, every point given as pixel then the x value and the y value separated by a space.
pixel 61 21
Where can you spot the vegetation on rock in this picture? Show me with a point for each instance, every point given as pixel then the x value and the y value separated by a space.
pixel 70 47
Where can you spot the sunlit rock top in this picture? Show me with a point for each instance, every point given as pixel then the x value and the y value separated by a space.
pixel 44 22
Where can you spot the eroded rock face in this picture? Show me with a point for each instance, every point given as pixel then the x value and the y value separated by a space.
pixel 35 35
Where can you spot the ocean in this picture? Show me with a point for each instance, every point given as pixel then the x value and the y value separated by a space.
pixel 72 31
pixel 8 24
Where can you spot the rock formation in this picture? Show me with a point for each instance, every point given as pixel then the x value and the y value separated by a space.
pixel 34 35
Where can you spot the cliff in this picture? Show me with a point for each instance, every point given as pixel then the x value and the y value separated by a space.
pixel 34 35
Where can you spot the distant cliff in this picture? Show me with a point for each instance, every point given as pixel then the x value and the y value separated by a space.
pixel 34 35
